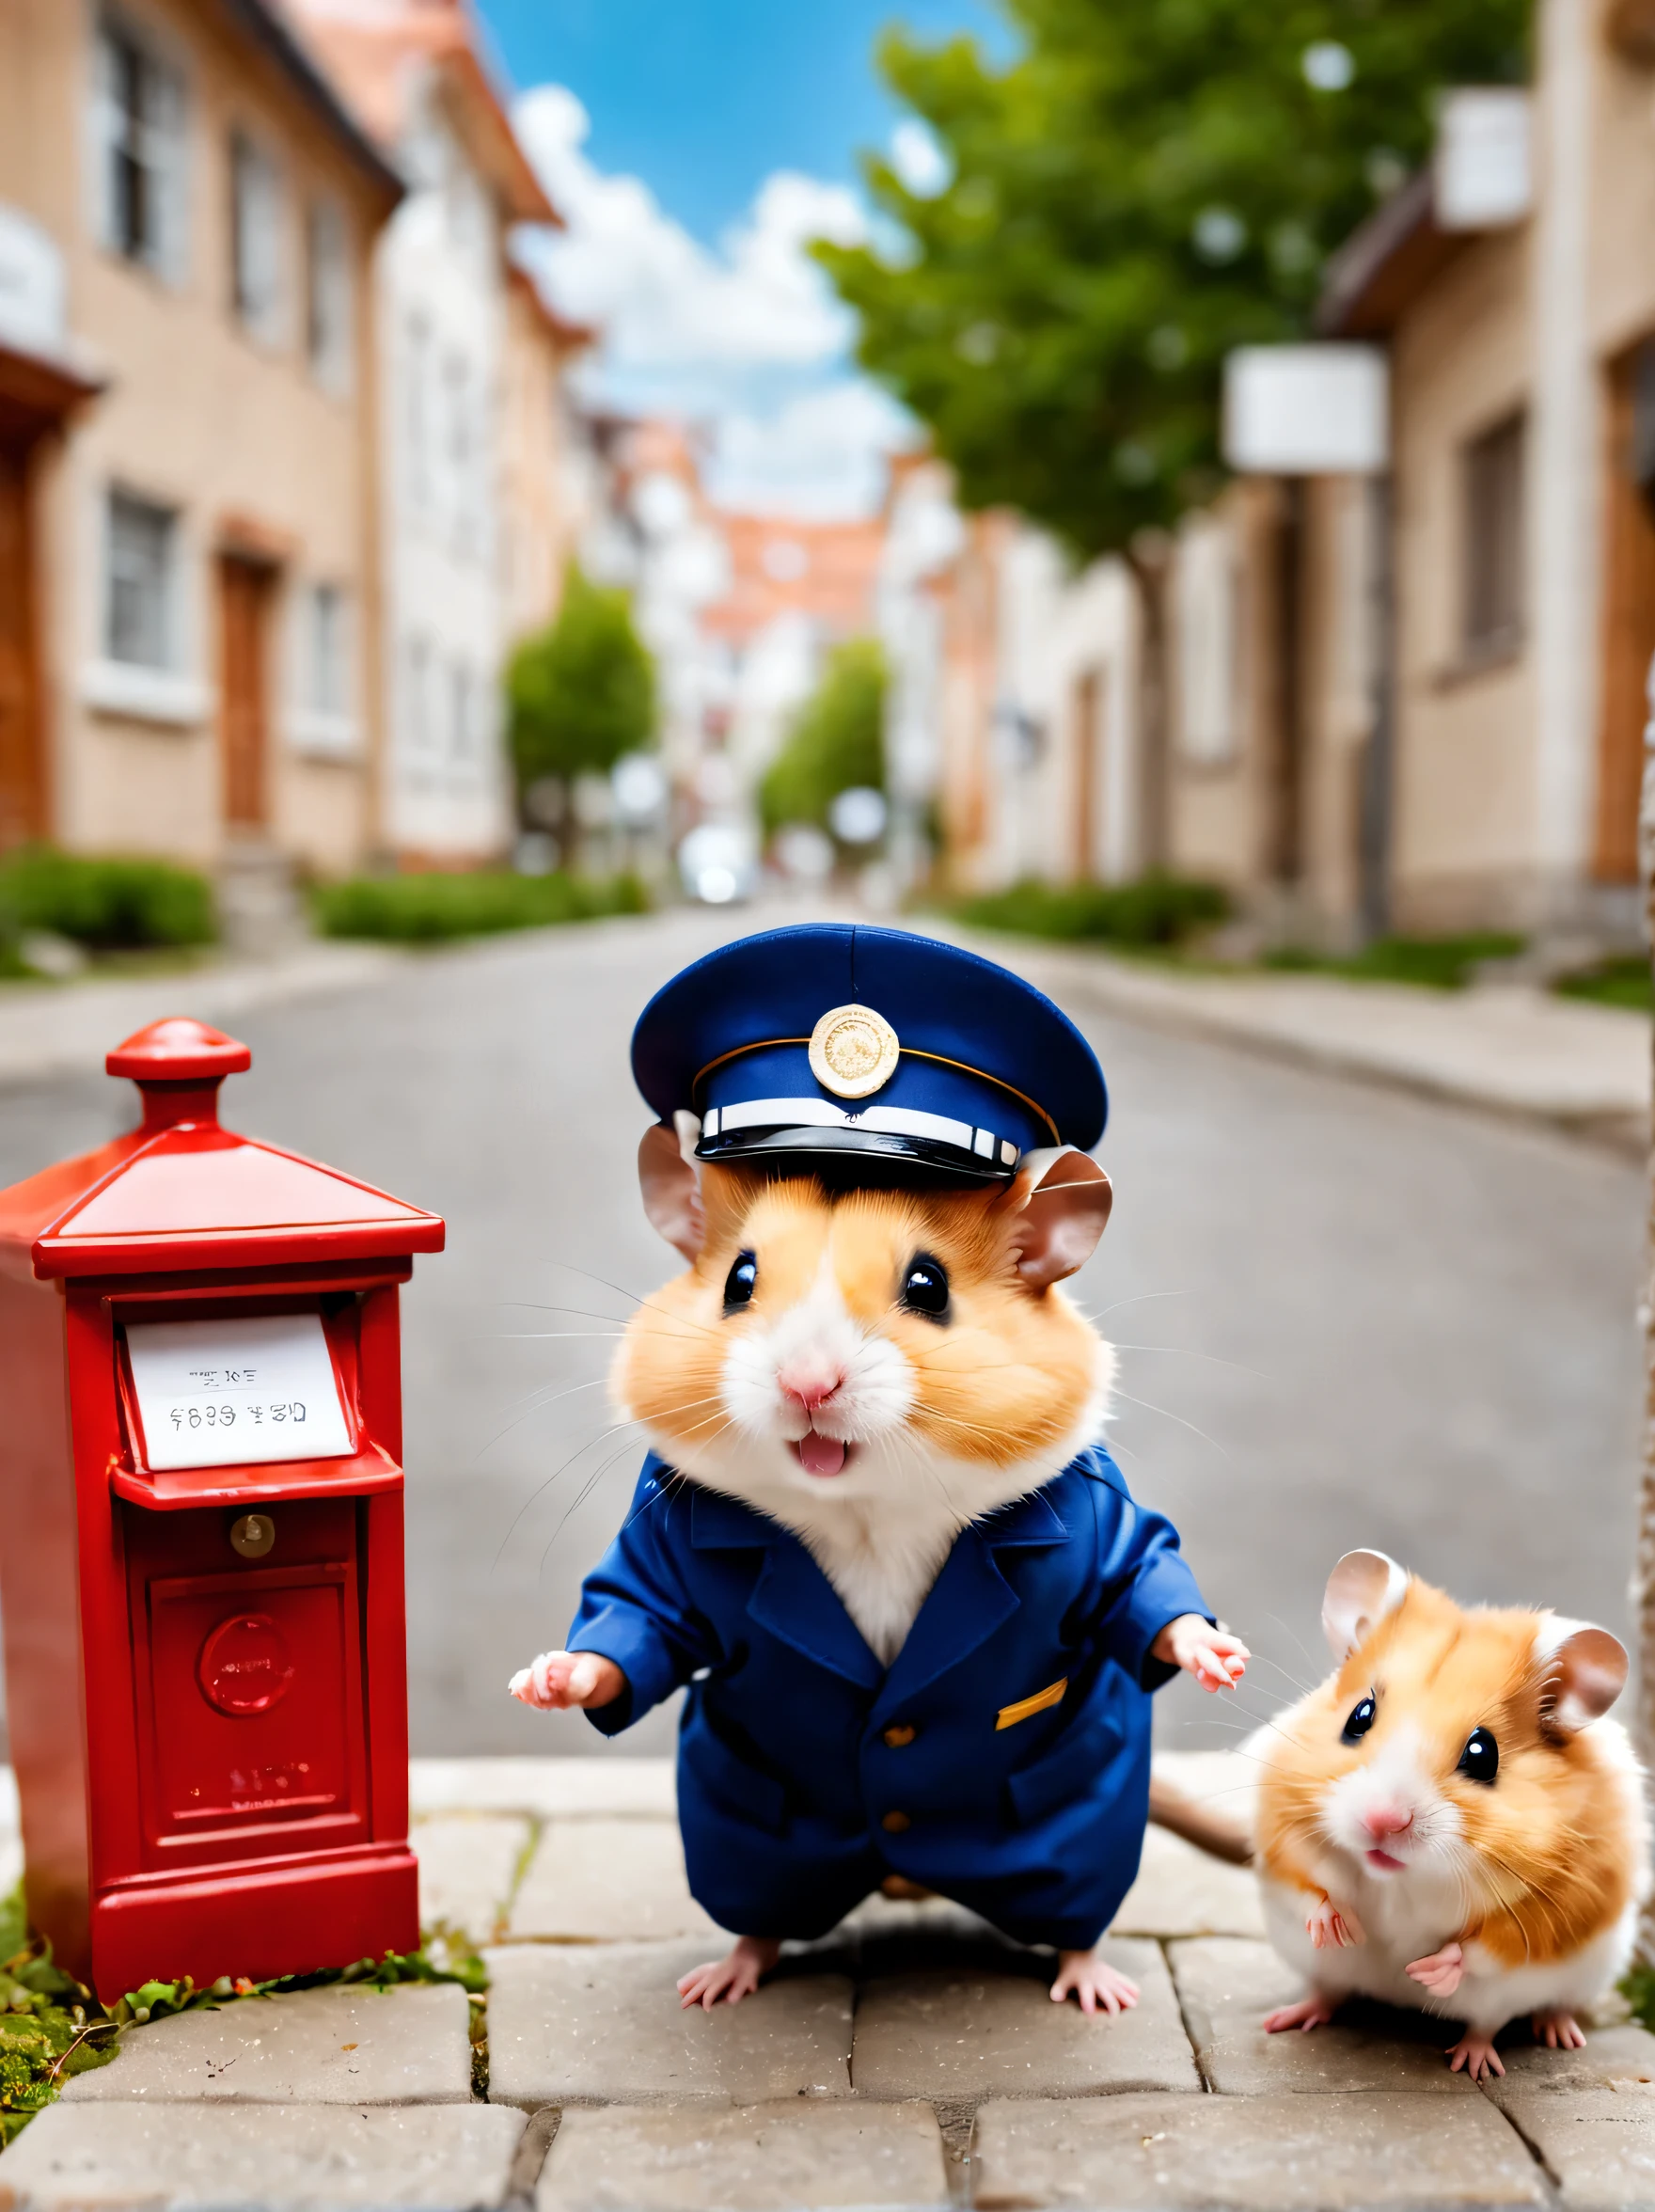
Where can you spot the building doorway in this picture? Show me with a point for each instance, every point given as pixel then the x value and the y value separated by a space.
pixel 1629 633
pixel 245 594
pixel 22 771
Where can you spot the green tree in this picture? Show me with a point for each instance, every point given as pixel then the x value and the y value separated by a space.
pixel 1149 183
pixel 579 693
pixel 837 742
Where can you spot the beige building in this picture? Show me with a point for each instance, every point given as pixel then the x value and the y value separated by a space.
pixel 541 497
pixel 1440 678
pixel 454 488
pixel 188 577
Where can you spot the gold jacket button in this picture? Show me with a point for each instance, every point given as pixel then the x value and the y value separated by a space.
pixel 899 1735
pixel 896 1823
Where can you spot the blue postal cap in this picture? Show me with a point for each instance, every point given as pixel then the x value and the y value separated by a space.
pixel 839 1039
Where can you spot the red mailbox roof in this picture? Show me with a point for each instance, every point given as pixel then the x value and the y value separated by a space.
pixel 182 1192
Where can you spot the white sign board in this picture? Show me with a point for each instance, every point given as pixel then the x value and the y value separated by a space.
pixel 229 1393
pixel 1306 410
pixel 1482 178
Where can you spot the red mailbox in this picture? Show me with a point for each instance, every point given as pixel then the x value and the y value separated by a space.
pixel 201 1543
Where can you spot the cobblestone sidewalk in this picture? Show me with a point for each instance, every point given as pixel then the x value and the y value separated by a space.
pixel 911 2060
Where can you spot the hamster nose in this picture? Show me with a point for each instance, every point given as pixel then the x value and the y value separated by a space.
pixel 1386 1820
pixel 809 1386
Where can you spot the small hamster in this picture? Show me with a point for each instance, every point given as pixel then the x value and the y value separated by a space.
pixel 1451 1822
pixel 888 1375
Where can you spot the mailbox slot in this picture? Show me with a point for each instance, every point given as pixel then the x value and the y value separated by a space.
pixel 247 1681
pixel 367 1468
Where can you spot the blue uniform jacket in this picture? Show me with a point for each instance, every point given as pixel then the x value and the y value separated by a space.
pixel 1002 1760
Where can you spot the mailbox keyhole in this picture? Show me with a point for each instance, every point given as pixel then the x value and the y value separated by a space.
pixel 253 1534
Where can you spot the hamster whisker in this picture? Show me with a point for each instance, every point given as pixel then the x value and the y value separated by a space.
pixel 581 1495
pixel 536 1401
pixel 586 1313
pixel 555 1476
pixel 637 1298
pixel 1168 1415
pixel 1264 1659
pixel 1310 1655
pixel 1142 1298
pixel 1189 1352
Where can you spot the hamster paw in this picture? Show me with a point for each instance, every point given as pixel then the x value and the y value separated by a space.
pixel 1331 1928
pixel 1083 1974
pixel 730 1978
pixel 1315 2011
pixel 1442 1973
pixel 1558 2030
pixel 1476 2054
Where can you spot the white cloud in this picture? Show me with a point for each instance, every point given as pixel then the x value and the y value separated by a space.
pixel 818 456
pixel 748 336
pixel 658 293
pixel 920 158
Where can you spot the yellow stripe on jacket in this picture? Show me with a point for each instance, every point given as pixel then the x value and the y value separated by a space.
pixel 1051 1695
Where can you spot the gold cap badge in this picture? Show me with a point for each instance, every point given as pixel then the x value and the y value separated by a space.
pixel 853 1052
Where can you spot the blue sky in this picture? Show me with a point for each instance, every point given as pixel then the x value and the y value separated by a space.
pixel 702 99
pixel 694 146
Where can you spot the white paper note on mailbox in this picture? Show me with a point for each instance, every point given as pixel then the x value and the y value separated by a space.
pixel 226 1393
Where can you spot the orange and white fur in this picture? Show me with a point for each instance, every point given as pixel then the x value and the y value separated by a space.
pixel 1401 1859
pixel 874 1434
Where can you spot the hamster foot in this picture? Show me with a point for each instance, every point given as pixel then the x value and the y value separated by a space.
pixel 1083 1974
pixel 1558 2030
pixel 730 1978
pixel 1331 1928
pixel 1315 2011
pixel 1476 2054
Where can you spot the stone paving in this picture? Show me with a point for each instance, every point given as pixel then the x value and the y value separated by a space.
pixel 912 2059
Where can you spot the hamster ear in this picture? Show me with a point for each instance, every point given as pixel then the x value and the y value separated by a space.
pixel 1583 1671
pixel 1059 1203
pixel 1361 1589
pixel 669 1175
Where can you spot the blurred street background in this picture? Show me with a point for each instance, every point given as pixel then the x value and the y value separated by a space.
pixel 497 498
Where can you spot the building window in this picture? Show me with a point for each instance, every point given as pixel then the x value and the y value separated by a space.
pixel 459 714
pixel 328 295
pixel 140 555
pixel 461 455
pixel 255 233
pixel 1492 592
pixel 416 413
pixel 141 151
pixel 328 651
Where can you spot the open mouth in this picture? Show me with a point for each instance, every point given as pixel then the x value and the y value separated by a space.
pixel 823 1455
pixel 1383 1862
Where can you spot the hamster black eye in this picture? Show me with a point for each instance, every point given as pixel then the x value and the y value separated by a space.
pixel 739 1283
pixel 1361 1720
pixel 925 1288
pixel 1480 1760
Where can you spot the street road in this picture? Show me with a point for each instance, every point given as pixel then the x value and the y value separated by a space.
pixel 1350 1317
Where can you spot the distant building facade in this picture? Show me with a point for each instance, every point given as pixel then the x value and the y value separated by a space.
pixel 451 345
pixel 1411 700
pixel 189 588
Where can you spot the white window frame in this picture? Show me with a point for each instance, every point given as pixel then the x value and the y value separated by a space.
pixel 330 296
pixel 123 507
pixel 158 141
pixel 257 237
pixel 323 720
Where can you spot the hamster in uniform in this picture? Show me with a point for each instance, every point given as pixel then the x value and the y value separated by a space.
pixel 1452 1821
pixel 871 1376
